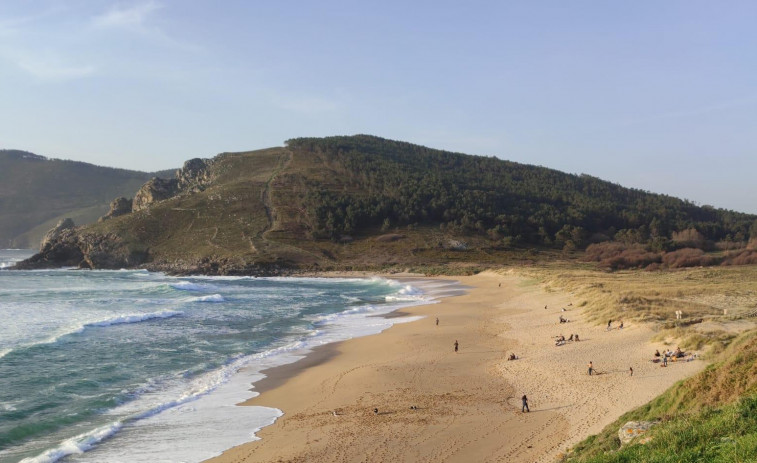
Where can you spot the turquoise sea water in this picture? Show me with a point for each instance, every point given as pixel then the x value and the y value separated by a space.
pixel 131 366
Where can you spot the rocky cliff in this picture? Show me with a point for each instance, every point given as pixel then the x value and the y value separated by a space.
pixel 193 177
pixel 118 207
pixel 67 246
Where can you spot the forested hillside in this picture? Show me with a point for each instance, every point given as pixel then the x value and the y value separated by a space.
pixel 35 192
pixel 388 183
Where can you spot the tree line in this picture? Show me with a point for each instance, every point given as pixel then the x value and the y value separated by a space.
pixel 387 184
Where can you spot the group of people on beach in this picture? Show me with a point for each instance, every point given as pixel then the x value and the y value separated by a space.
pixel 560 340
pixel 673 355
pixel 609 325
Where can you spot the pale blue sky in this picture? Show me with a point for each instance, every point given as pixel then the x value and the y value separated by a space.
pixel 654 95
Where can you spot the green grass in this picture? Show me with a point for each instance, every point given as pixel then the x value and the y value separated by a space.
pixel 715 435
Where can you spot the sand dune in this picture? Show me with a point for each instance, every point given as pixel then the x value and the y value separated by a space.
pixel 467 404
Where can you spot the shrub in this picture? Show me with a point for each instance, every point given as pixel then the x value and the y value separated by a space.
pixel 688 257
pixel 746 257
pixel 690 238
pixel 599 251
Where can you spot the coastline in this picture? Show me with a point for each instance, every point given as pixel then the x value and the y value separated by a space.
pixel 467 405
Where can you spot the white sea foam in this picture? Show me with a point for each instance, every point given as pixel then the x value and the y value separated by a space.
pixel 209 298
pixel 134 318
pixel 76 445
pixel 8 407
pixel 117 320
pixel 189 286
pixel 407 293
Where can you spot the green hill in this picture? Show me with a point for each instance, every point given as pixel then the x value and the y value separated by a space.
pixel 365 202
pixel 36 192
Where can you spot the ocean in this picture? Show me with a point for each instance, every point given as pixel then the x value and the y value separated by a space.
pixel 133 366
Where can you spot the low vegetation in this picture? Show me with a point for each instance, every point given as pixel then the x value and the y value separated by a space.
pixel 619 256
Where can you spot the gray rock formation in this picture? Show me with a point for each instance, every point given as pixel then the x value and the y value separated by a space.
pixel 634 429
pixel 55 232
pixel 193 177
pixel 65 246
pixel 156 189
pixel 119 206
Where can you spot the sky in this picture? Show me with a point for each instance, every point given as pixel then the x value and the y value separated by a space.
pixel 660 96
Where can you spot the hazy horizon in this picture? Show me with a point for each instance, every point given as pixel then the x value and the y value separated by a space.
pixel 654 96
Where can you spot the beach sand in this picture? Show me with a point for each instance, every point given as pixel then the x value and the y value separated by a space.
pixel 468 403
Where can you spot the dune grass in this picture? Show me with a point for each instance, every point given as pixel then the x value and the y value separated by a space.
pixel 701 294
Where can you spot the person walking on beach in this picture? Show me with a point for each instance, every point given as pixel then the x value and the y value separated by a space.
pixel 437 321
pixel 664 359
pixel 630 370
pixel 609 325
pixel 456 345
pixel 524 408
pixel 591 368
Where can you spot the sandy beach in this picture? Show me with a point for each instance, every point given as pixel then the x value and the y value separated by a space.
pixel 466 406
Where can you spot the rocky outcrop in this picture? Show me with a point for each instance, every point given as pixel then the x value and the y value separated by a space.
pixel 193 177
pixel 55 232
pixel 119 206
pixel 156 189
pixel 634 429
pixel 65 246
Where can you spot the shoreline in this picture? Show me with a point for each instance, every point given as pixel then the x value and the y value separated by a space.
pixel 467 405
pixel 277 375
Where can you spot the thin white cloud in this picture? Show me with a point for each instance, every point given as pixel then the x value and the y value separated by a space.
pixel 140 19
pixel 133 17
pixel 53 69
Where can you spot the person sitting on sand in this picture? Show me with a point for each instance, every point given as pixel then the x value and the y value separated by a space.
pixel 570 338
pixel 577 338
pixel 609 325
pixel 621 325
pixel 656 353
pixel 563 320
pixel 512 357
